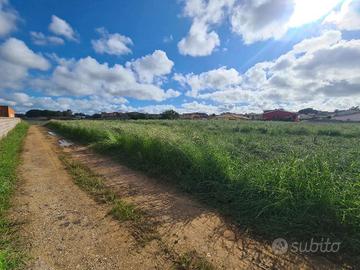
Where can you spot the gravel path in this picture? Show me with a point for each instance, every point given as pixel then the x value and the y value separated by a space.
pixel 66 229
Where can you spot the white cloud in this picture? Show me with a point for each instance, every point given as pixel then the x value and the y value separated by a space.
pixel 168 39
pixel 201 39
pixel 90 105
pixel 15 61
pixel 15 51
pixel 153 109
pixel 40 39
pixel 307 11
pixel 313 44
pixel 217 79
pixel 151 66
pixel 171 93
pixel 61 28
pixel 319 72
pixel 8 18
pixel 187 107
pixel 113 44
pixel 256 20
pixel 261 19
pixel 347 18
pixel 87 77
pixel 191 107
pixel 94 104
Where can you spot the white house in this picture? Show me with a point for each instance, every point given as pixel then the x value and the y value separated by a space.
pixel 353 117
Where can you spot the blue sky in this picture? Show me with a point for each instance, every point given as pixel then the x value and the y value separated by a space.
pixel 189 55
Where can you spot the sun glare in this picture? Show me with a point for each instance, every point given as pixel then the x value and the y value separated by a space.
pixel 307 11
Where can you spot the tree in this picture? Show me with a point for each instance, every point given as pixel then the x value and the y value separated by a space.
pixel 67 113
pixel 169 114
pixel 308 111
pixel 48 113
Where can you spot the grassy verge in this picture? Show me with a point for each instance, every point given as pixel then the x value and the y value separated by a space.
pixel 11 256
pixel 295 181
pixel 120 210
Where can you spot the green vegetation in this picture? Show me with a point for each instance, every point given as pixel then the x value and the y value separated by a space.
pixel 170 115
pixel 191 261
pixel 11 256
pixel 292 180
pixel 125 211
pixel 94 185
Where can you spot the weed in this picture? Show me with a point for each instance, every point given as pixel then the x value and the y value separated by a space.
pixel 143 229
pixel 124 211
pixel 258 173
pixel 192 261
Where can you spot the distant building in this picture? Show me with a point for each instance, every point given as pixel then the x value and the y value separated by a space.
pixel 114 115
pixel 280 115
pixel 6 111
pixel 231 116
pixel 350 117
pixel 254 116
pixel 194 116
pixel 310 114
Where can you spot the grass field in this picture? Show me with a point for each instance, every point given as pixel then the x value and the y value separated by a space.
pixel 10 147
pixel 292 180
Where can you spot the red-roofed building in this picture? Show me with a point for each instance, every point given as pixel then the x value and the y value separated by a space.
pixel 6 111
pixel 280 115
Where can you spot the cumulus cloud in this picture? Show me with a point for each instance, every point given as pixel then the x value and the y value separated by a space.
pixel 153 109
pixel 151 66
pixel 201 39
pixel 90 105
pixel 253 20
pixel 195 106
pixel 61 28
pixel 261 19
pixel 328 38
pixel 94 104
pixel 8 18
pixel 187 107
pixel 256 20
pixel 41 39
pixel 191 107
pixel 217 79
pixel 86 77
pixel 113 44
pixel 16 59
pixel 15 51
pixel 316 71
pixel 347 18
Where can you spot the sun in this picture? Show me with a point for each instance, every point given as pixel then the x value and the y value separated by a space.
pixel 307 11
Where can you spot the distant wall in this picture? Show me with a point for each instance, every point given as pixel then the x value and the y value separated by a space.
pixel 7 124
pixel 355 117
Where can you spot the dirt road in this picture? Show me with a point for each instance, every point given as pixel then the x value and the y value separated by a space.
pixel 66 229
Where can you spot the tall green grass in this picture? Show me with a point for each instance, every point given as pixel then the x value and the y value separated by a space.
pixel 296 181
pixel 10 148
